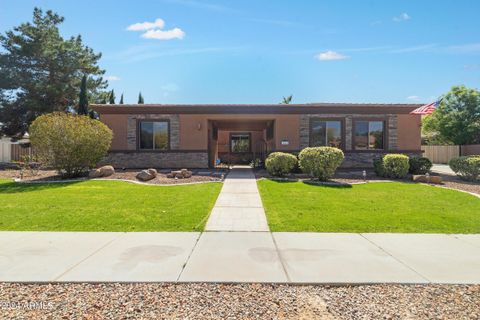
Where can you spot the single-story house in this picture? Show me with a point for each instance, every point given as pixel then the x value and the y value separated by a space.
pixel 201 136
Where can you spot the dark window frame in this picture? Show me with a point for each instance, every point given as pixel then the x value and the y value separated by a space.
pixel 385 134
pixel 139 122
pixel 342 129
pixel 240 133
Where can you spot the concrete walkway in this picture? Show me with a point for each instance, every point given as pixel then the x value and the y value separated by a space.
pixel 442 169
pixel 239 206
pixel 239 257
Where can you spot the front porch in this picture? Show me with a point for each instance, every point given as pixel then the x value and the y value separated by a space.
pixel 240 141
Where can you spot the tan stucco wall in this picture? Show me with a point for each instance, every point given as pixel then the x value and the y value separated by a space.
pixel 191 138
pixel 118 124
pixel 409 132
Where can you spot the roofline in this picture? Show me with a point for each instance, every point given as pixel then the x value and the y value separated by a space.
pixel 313 108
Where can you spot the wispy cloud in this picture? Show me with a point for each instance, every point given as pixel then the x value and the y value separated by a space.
pixel 330 56
pixel 413 98
pixel 140 26
pixel 170 87
pixel 423 47
pixel 284 23
pixel 464 48
pixel 153 30
pixel 112 78
pixel 402 17
pixel 471 66
pixel 147 52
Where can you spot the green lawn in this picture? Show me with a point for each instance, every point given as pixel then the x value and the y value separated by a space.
pixel 374 207
pixel 105 206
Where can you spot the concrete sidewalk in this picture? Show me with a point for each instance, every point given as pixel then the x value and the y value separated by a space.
pixel 239 257
pixel 239 206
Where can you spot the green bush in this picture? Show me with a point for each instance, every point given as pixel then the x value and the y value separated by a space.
pixel 69 143
pixel 392 166
pixel 466 167
pixel 419 165
pixel 320 162
pixel 280 163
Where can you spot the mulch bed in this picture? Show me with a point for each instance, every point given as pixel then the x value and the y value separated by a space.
pixel 51 175
pixel 237 301
pixel 343 177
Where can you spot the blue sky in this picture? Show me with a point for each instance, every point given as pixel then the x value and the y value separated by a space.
pixel 258 51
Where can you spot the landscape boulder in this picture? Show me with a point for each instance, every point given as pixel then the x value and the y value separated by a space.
pixel 101 172
pixel 430 179
pixel 146 175
pixel 180 174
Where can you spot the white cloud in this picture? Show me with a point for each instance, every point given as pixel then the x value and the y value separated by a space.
pixel 112 78
pixel 403 17
pixel 171 87
pixel 140 26
pixel 330 55
pixel 153 30
pixel 174 33
pixel 413 98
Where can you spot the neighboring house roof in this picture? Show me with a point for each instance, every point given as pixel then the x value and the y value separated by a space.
pixel 309 108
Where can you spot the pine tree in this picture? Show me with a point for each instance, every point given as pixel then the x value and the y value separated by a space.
pixel 140 98
pixel 83 99
pixel 121 99
pixel 111 97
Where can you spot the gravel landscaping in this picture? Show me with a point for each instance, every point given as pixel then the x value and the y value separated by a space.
pixel 238 301
pixel 51 175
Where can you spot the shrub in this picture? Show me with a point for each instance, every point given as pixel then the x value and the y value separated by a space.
pixel 466 167
pixel 419 165
pixel 69 143
pixel 320 162
pixel 280 163
pixel 392 166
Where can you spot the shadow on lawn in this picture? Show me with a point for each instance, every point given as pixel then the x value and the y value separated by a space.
pixel 20 187
pixel 316 183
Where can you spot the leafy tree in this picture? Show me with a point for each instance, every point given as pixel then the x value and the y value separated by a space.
pixel 83 99
pixel 287 100
pixel 457 119
pixel 140 98
pixel 121 99
pixel 111 97
pixel 41 72
pixel 70 143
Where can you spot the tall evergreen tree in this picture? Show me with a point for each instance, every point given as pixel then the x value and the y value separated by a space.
pixel 41 72
pixel 140 98
pixel 121 99
pixel 111 97
pixel 83 98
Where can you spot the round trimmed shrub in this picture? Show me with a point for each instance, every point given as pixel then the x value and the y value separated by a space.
pixel 280 163
pixel 419 165
pixel 320 162
pixel 395 165
pixel 466 167
pixel 69 143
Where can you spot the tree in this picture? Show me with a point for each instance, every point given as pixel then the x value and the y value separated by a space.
pixel 121 99
pixel 140 98
pixel 83 99
pixel 70 143
pixel 457 118
pixel 111 97
pixel 287 100
pixel 41 72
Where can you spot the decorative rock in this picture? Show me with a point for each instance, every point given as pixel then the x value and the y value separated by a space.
pixel 180 174
pixel 106 171
pixel 152 172
pixel 95 173
pixel 145 175
pixel 423 178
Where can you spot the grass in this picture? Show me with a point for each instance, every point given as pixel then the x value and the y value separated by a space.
pixel 373 207
pixel 105 206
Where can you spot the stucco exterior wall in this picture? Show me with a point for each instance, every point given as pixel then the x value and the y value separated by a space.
pixel 118 124
pixel 409 132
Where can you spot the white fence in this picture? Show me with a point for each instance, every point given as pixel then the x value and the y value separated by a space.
pixel 5 150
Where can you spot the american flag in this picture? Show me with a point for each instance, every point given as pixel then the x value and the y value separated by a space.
pixel 426 109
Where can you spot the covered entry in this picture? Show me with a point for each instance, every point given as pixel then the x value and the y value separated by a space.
pixel 240 141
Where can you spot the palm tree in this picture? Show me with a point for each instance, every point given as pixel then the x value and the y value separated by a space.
pixel 287 100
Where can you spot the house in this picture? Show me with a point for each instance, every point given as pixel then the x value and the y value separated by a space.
pixel 200 136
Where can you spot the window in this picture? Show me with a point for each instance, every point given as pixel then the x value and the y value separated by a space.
pixel 326 133
pixel 369 135
pixel 154 135
pixel 240 142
